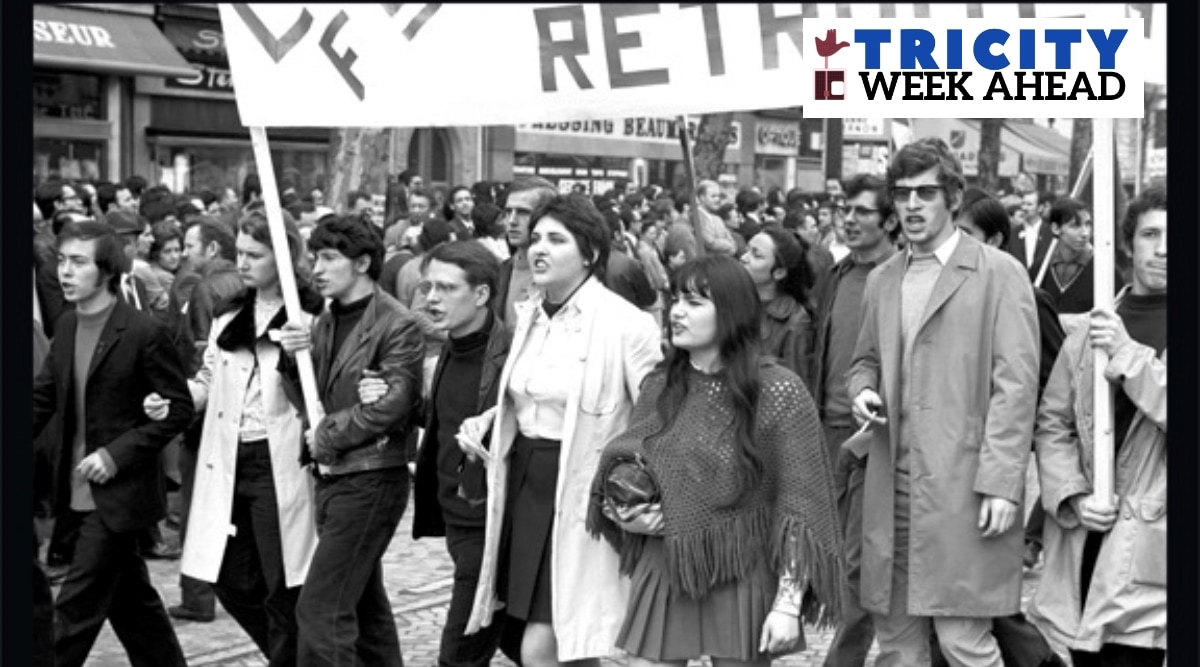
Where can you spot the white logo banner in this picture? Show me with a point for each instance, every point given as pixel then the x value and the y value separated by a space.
pixel 974 68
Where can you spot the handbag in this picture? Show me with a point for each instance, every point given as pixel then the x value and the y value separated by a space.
pixel 630 486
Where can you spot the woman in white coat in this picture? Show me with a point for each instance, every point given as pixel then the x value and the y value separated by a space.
pixel 255 532
pixel 576 365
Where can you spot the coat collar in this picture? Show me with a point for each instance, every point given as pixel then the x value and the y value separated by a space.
pixel 958 266
pixel 579 302
pixel 361 331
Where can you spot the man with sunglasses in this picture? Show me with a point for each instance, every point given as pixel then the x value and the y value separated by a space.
pixel 944 375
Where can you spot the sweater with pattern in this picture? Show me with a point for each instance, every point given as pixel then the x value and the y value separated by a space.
pixel 788 518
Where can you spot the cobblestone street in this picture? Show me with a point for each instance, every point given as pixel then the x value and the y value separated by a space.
pixel 418 576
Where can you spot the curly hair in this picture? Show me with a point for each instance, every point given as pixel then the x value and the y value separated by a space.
pixel 353 237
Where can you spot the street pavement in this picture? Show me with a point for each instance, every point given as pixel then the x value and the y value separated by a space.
pixel 418 576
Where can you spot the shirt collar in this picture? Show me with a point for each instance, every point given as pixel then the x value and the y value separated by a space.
pixel 572 308
pixel 943 251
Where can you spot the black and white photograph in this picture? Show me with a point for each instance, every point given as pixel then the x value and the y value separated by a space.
pixel 599 335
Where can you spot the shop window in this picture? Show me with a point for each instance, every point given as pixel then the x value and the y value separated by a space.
pixel 597 174
pixel 429 156
pixel 770 172
pixel 67 159
pixel 214 167
pixel 67 95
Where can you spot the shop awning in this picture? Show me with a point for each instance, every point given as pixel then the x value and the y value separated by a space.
pixel 1043 151
pixel 103 41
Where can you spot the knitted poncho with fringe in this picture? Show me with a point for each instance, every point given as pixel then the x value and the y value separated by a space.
pixel 790 518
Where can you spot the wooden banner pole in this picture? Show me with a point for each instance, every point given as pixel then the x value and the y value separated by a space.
pixel 1102 230
pixel 283 260
pixel 689 170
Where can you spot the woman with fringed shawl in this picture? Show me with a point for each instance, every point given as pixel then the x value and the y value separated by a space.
pixel 744 544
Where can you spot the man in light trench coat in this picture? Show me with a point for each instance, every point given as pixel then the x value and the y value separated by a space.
pixel 946 371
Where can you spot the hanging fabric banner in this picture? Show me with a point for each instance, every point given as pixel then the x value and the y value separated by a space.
pixel 413 64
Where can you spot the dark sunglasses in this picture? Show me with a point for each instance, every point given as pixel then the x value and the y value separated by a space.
pixel 903 194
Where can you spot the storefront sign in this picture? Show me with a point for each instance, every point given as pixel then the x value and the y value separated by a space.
pixel 72 33
pixel 524 63
pixel 863 128
pixel 207 78
pixel 204 48
pixel 777 138
pixel 655 130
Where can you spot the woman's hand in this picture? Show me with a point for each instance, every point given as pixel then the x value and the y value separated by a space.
pixel 156 407
pixel 641 519
pixel 779 634
pixel 292 337
pixel 471 434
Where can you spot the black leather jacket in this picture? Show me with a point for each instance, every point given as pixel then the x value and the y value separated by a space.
pixel 354 437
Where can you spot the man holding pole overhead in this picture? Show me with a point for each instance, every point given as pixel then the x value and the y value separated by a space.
pixel 1103 592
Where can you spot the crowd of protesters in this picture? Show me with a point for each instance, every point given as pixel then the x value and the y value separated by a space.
pixel 675 425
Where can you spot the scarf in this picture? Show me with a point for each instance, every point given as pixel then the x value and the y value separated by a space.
pixel 790 517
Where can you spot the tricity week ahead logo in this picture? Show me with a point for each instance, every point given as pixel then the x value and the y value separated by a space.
pixel 919 68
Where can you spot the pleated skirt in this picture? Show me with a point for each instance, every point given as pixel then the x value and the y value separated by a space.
pixel 523 580
pixel 725 623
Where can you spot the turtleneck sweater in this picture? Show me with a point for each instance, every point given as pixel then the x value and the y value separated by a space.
pixel 87 335
pixel 455 399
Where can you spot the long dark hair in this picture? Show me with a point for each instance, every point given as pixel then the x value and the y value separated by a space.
pixel 739 315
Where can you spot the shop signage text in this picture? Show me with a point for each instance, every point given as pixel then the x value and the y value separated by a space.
pixel 661 130
pixel 863 127
pixel 1070 67
pixel 72 33
pixel 777 138
pixel 207 77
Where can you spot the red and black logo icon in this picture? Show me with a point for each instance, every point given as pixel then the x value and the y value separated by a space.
pixel 829 84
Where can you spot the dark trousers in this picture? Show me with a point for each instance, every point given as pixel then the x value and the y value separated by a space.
pixel 108 580
pixel 854 636
pixel 252 585
pixel 1037 519
pixel 344 614
pixel 43 617
pixel 1119 655
pixel 62 538
pixel 195 595
pixel 457 649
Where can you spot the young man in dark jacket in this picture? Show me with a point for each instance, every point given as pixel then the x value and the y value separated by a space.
pixel 104 358
pixel 459 281
pixel 344 614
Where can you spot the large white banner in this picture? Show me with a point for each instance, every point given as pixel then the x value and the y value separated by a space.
pixel 377 65
pixel 387 65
